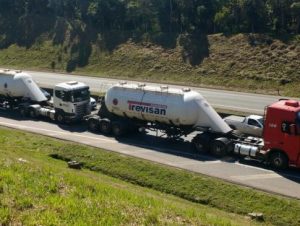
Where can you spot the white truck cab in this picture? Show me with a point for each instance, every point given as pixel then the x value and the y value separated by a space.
pixel 71 100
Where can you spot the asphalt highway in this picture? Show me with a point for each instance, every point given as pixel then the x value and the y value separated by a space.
pixel 176 154
pixel 229 100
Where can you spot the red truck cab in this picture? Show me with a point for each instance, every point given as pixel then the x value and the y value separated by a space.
pixel 281 133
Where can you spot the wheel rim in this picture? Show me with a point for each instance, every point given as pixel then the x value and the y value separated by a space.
pixel 117 130
pixel 60 118
pixel 218 149
pixel 104 127
pixel 199 147
pixel 277 161
pixel 22 111
pixel 93 126
pixel 32 114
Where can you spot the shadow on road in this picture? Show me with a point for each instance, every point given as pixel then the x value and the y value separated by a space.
pixel 181 147
pixel 77 127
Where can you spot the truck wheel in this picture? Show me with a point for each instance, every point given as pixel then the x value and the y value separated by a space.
pixel 32 113
pixel 278 160
pixel 23 112
pixel 201 143
pixel 105 127
pixel 118 129
pixel 219 148
pixel 60 118
pixel 93 125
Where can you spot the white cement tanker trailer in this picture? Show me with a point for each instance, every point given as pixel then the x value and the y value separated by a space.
pixel 176 112
pixel 19 92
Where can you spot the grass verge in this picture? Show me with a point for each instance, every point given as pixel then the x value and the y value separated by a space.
pixel 190 186
pixel 36 189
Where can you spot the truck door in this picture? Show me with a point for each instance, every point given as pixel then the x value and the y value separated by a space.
pixel 291 141
pixel 58 99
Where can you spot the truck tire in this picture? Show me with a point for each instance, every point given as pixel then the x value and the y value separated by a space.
pixel 32 113
pixel 201 143
pixel 219 148
pixel 278 160
pixel 118 129
pixel 105 126
pixel 60 118
pixel 93 125
pixel 23 111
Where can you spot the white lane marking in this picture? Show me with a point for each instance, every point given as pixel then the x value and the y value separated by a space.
pixel 257 176
pixel 55 133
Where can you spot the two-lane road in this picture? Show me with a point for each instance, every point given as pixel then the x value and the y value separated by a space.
pixel 244 102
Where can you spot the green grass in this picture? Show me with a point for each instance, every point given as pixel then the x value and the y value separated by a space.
pixel 233 63
pixel 199 189
pixel 36 189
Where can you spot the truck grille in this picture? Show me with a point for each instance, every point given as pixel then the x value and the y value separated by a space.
pixel 82 109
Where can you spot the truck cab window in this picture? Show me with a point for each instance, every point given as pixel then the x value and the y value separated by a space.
pixel 67 96
pixel 252 122
pixel 289 128
pixel 58 94
pixel 285 127
pixel 80 95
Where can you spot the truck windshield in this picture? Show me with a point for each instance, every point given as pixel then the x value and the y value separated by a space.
pixel 80 95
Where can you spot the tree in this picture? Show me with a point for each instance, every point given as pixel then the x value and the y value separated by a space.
pixel 295 7
pixel 255 13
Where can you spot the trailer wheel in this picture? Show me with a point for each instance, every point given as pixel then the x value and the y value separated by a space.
pixel 118 129
pixel 201 143
pixel 105 127
pixel 60 118
pixel 219 148
pixel 32 113
pixel 93 124
pixel 23 112
pixel 278 160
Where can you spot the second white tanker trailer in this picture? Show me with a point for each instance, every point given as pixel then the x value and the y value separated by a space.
pixel 179 112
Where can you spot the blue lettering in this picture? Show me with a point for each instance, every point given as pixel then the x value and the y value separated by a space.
pixel 146 109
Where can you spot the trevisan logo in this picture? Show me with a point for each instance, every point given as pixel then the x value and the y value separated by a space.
pixel 150 108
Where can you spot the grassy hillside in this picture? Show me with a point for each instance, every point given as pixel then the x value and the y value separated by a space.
pixel 38 189
pixel 246 62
